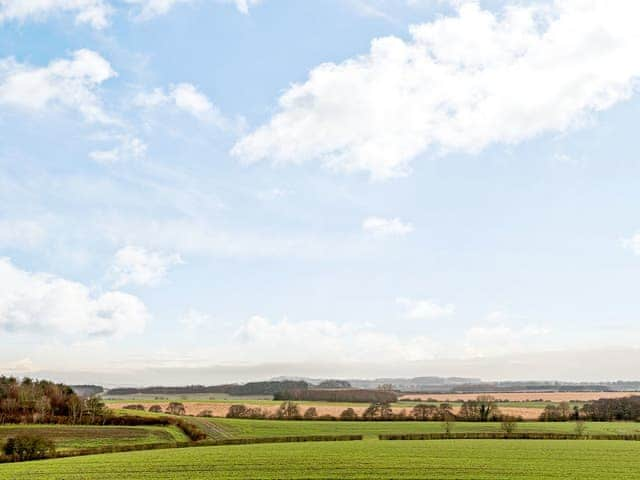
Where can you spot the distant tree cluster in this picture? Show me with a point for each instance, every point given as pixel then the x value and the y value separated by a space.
pixel 560 412
pixel 332 384
pixel 609 409
pixel 33 401
pixel 251 388
pixel 338 395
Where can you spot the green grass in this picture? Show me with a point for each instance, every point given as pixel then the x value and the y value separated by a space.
pixel 274 428
pixel 71 437
pixel 429 460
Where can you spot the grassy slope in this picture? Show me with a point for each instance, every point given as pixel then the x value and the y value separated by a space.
pixel 274 428
pixel 462 459
pixel 69 437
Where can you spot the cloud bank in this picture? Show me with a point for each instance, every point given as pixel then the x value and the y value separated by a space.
pixel 459 83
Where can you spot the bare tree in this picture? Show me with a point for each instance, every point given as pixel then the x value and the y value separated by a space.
pixel 424 411
pixel 176 408
pixel 310 413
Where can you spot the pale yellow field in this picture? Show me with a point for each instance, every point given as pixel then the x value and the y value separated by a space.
pixel 221 409
pixel 522 396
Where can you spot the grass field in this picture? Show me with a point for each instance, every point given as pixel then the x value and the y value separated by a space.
pixel 70 437
pixel 442 460
pixel 274 428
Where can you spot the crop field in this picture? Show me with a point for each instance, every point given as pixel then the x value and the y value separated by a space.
pixel 442 460
pixel 70 437
pixel 521 396
pixel 220 408
pixel 241 428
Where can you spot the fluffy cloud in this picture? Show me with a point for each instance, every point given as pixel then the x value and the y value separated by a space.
pixel 43 303
pixel 459 83
pixel 386 226
pixel 93 12
pixel 137 266
pixel 286 341
pixel 69 84
pixel 184 97
pixel 425 309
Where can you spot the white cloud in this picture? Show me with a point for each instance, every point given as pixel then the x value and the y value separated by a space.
pixel 43 303
pixel 501 336
pixel 68 84
pixel 425 309
pixel 386 226
pixel 147 9
pixel 21 233
pixel 459 83
pixel 632 243
pixel 185 97
pixel 137 266
pixel 287 341
pixel 129 148
pixel 93 12
pixel 194 319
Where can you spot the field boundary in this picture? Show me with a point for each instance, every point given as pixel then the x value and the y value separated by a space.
pixel 201 443
pixel 506 436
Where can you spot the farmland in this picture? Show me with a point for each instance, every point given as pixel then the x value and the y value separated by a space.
pixel 446 459
pixel 241 428
pixel 219 408
pixel 72 437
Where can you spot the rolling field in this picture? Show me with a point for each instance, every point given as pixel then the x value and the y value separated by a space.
pixel 218 408
pixel 71 437
pixel 369 459
pixel 240 428
pixel 521 396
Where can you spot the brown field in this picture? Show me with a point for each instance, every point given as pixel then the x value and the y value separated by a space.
pixel 522 396
pixel 221 409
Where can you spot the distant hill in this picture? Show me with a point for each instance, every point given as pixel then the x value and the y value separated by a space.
pixel 251 388
pixel 87 390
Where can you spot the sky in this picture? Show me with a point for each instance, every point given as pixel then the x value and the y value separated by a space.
pixel 204 191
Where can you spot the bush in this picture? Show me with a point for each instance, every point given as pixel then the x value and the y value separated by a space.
pixel 311 413
pixel 176 408
pixel 155 409
pixel 29 447
pixel 134 407
pixel 349 414
pixel 509 424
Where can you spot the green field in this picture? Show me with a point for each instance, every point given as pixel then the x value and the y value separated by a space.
pixel 442 460
pixel 71 437
pixel 275 428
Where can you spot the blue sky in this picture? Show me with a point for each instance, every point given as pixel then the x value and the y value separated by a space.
pixel 203 191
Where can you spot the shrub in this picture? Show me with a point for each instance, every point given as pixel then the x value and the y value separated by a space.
pixel 310 413
pixel 237 411
pixel 349 414
pixel 29 447
pixel 288 410
pixel 155 409
pixel 580 428
pixel 509 424
pixel 134 407
pixel 176 408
